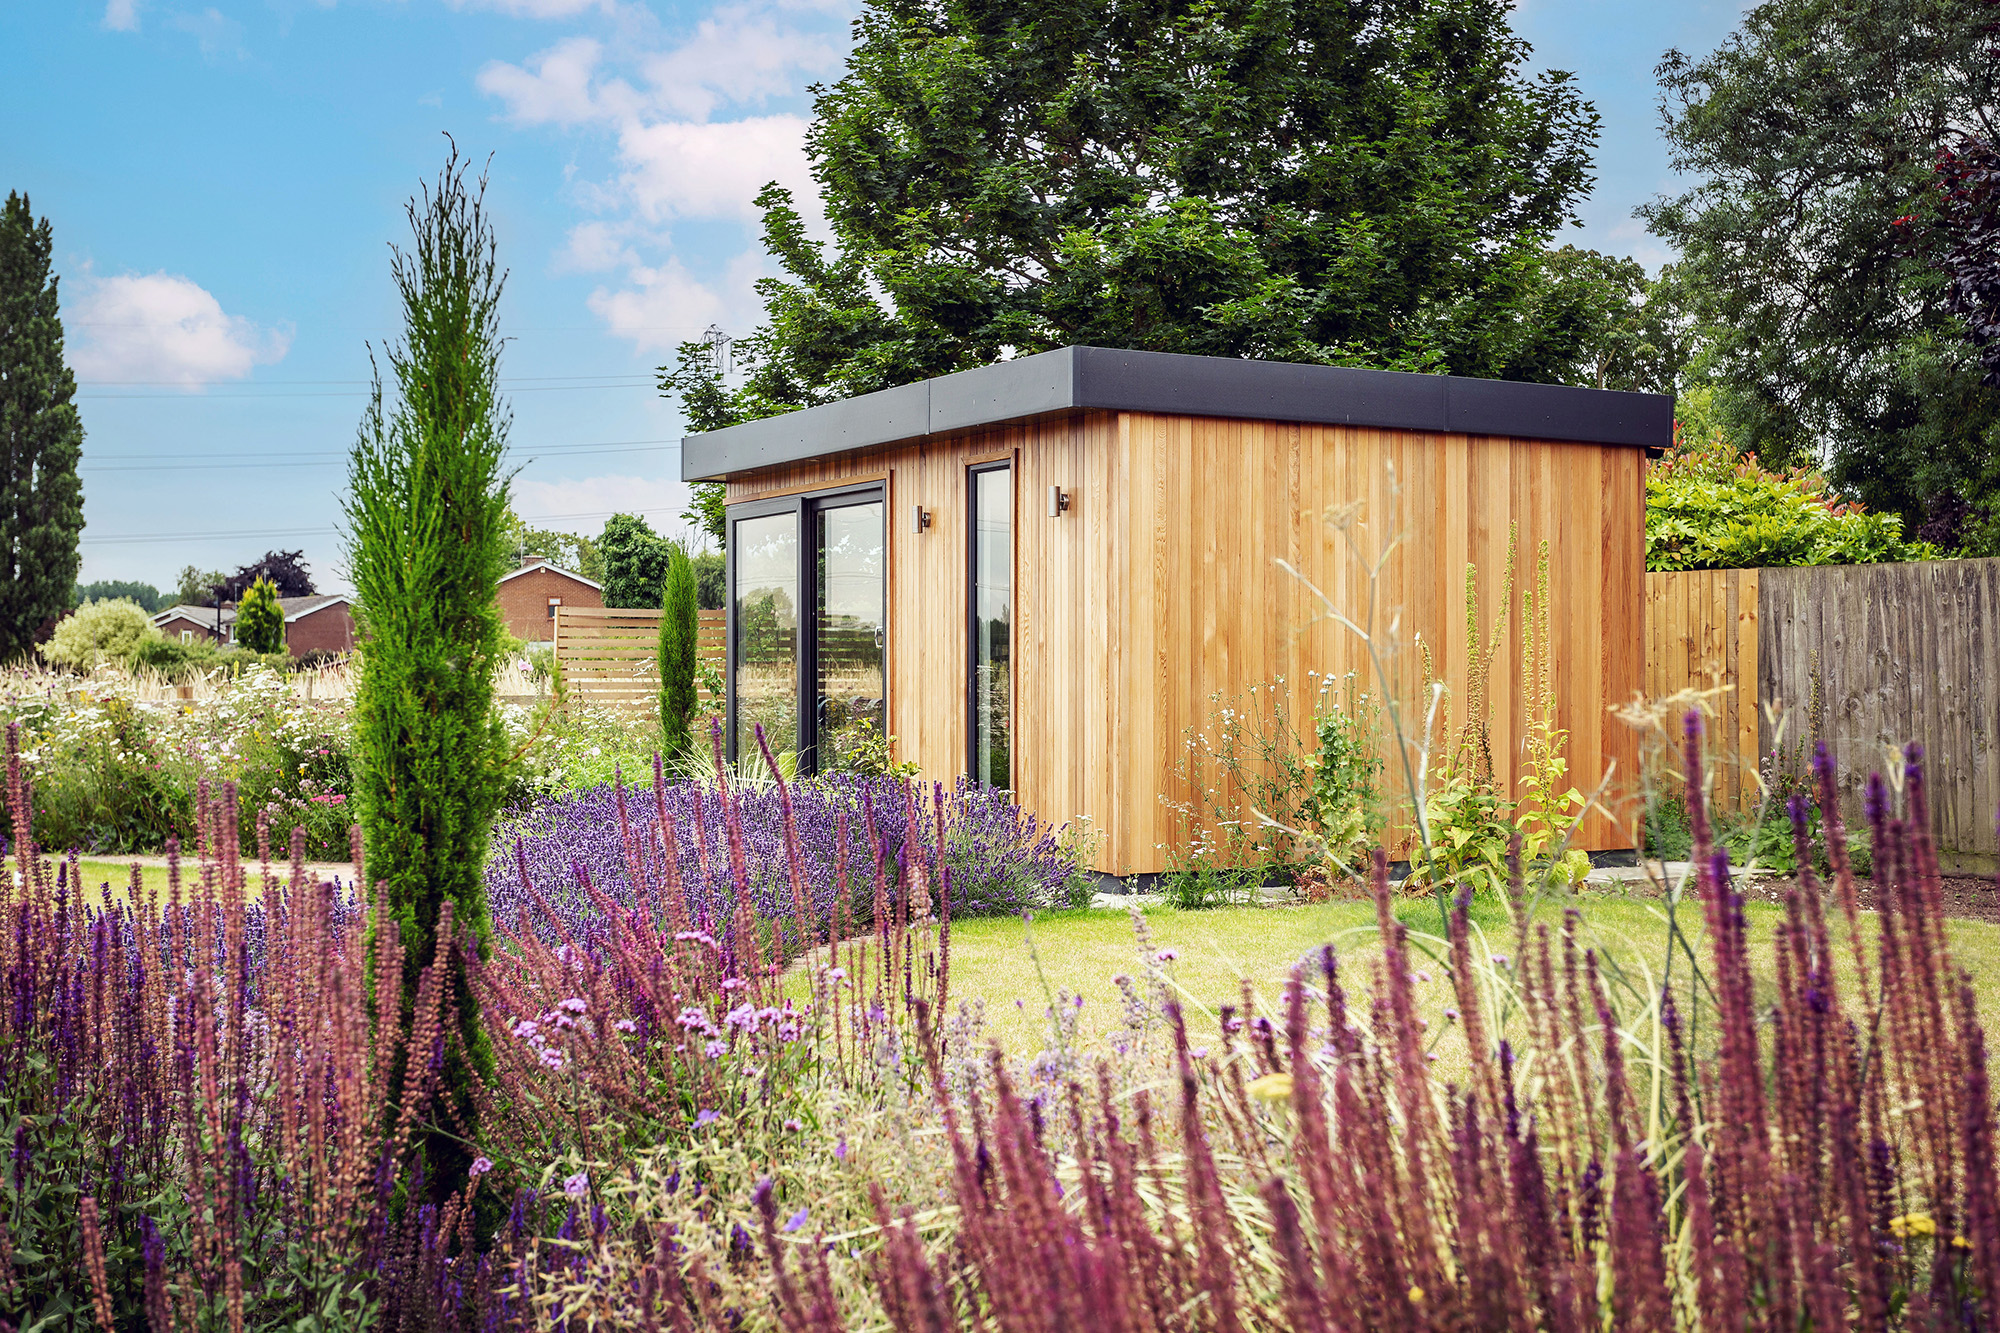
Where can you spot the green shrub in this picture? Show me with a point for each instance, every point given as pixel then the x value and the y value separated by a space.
pixel 260 621
pixel 99 632
pixel 680 629
pixel 1707 507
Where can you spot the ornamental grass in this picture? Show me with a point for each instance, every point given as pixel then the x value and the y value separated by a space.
pixel 204 1134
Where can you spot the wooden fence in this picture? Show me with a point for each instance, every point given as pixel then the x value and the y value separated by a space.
pixel 1702 634
pixel 1865 657
pixel 606 655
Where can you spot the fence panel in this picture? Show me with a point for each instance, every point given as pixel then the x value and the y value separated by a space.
pixel 1702 633
pixel 606 654
pixel 1892 654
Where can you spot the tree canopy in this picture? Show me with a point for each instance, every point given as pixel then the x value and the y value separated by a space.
pixel 1808 255
pixel 1370 183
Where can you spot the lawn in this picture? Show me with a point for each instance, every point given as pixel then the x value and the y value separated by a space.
pixel 1016 969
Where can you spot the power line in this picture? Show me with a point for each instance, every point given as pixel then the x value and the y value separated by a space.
pixel 247 534
pixel 202 384
pixel 335 459
pixel 577 446
pixel 329 393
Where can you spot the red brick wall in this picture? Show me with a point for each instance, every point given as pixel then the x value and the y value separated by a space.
pixel 328 629
pixel 202 630
pixel 524 602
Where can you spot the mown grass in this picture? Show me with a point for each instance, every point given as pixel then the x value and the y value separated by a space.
pixel 1017 969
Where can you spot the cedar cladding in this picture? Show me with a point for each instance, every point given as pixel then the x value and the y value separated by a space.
pixel 1160 587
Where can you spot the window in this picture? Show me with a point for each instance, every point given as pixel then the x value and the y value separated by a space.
pixel 808 624
pixel 187 636
pixel 764 633
pixel 554 602
pixel 990 604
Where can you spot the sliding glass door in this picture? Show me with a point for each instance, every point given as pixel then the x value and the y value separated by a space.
pixel 764 631
pixel 850 632
pixel 990 602
pixel 819 564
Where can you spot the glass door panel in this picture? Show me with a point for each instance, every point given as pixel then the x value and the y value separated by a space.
pixel 850 631
pixel 992 607
pixel 765 657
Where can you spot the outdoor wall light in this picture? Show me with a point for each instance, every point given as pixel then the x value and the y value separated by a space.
pixel 920 518
pixel 1058 501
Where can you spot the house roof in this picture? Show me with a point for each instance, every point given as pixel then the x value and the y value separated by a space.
pixel 296 607
pixel 544 564
pixel 200 615
pixel 1073 378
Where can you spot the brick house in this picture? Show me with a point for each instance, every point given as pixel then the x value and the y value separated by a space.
pixel 323 623
pixel 529 597
pixel 194 624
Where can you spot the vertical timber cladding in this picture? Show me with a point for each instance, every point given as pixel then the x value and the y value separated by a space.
pixel 1159 587
pixel 1214 503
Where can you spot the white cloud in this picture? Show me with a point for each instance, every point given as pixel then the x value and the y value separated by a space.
pixel 595 247
pixel 536 9
pixel 736 55
pixel 663 307
pixel 122 15
pixel 166 329
pixel 557 91
pixel 681 169
pixel 216 34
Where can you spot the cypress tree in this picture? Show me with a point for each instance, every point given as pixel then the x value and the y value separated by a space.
pixel 679 624
pixel 41 436
pixel 427 508
pixel 260 621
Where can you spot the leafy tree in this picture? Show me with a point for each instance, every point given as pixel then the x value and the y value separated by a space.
pixel 1709 507
pixel 1372 182
pixel 711 578
pixel 104 590
pixel 635 562
pixel 198 586
pixel 427 510
pixel 680 628
pixel 707 511
pixel 572 551
pixel 41 436
pixel 1812 134
pixel 260 621
pixel 284 570
pixel 99 632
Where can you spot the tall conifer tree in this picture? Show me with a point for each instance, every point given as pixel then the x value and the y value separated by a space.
pixel 41 436
pixel 680 625
pixel 427 513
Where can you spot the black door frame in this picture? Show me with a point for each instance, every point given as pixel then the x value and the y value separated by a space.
pixel 804 508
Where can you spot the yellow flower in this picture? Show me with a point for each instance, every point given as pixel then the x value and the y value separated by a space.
pixel 1912 1224
pixel 1272 1087
pixel 1961 1242
pixel 1416 1295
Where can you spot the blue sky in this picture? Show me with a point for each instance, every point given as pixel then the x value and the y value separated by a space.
pixel 224 181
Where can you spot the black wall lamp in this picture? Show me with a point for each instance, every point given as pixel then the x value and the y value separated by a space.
pixel 920 518
pixel 1058 502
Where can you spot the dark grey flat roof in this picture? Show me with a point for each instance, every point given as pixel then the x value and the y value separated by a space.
pixel 1209 386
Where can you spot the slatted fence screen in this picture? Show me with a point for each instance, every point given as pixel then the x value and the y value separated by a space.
pixel 606 654
pixel 1701 634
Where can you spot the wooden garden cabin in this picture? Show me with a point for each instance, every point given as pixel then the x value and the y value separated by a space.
pixel 1040 573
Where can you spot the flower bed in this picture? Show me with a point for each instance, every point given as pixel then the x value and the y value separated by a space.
pixel 996 858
